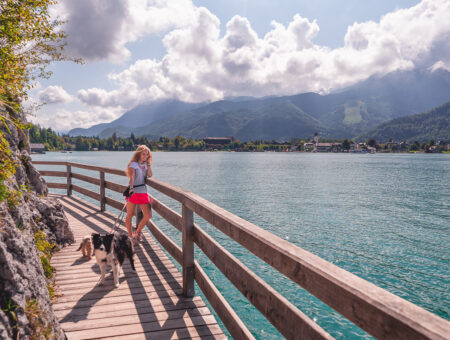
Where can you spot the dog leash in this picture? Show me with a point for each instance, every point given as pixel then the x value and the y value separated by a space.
pixel 119 219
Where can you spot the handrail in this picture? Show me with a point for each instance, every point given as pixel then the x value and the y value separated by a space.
pixel 380 313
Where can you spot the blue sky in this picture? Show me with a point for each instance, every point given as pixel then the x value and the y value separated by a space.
pixel 137 50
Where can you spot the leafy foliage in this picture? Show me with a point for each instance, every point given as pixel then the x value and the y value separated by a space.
pixel 10 309
pixel 45 248
pixel 29 41
pixel 39 330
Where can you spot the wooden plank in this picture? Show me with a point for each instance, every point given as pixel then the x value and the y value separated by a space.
pixel 147 327
pixel 146 332
pixel 86 192
pixel 57 185
pixel 99 168
pixel 99 311
pixel 188 252
pixel 230 319
pixel 168 189
pixel 168 214
pixel 165 334
pixel 85 178
pixel 127 319
pixel 66 276
pixel 52 173
pixel 287 318
pixel 96 294
pixel 115 187
pixel 171 247
pixel 102 312
pixel 92 275
pixel 69 259
pixel 140 282
pixel 113 203
pixel 49 163
pixel 93 280
pixel 144 299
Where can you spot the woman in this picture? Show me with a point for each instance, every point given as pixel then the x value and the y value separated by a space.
pixel 138 169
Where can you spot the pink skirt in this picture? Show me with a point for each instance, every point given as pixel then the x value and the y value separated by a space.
pixel 138 198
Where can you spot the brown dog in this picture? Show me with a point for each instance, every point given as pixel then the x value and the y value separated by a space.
pixel 86 246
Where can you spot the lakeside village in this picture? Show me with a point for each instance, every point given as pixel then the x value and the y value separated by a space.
pixel 43 140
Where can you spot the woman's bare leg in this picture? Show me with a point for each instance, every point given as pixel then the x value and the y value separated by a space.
pixel 130 213
pixel 146 210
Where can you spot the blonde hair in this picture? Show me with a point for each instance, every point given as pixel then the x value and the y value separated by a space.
pixel 137 154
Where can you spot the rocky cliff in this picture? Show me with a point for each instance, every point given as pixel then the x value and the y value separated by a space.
pixel 32 227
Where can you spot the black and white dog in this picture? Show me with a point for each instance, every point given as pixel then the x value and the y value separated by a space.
pixel 111 249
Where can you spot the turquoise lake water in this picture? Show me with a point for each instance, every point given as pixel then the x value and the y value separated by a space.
pixel 383 217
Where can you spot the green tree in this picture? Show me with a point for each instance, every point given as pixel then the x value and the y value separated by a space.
pixel 29 41
pixel 177 141
pixel 346 144
pixel 415 146
pixel 372 143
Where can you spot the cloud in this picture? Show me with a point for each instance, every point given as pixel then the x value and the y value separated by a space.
pixel 440 65
pixel 62 119
pixel 99 30
pixel 54 95
pixel 98 97
pixel 200 64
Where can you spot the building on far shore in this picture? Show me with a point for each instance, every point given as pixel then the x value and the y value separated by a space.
pixel 37 148
pixel 323 147
pixel 218 140
pixel 308 147
pixel 315 146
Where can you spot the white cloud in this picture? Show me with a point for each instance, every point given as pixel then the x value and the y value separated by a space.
pixel 440 65
pixel 61 119
pixel 54 95
pixel 201 65
pixel 99 30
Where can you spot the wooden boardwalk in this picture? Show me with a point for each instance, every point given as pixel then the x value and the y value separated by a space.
pixel 147 305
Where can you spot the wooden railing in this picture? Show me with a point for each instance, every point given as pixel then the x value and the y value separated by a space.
pixel 378 312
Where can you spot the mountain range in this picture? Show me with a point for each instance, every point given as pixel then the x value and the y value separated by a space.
pixel 353 111
pixel 422 127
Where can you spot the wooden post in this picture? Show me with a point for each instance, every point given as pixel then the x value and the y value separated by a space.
pixel 188 252
pixel 69 180
pixel 102 191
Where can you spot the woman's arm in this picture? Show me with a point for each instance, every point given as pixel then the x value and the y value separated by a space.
pixel 149 170
pixel 132 175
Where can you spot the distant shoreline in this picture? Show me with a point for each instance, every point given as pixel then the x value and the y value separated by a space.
pixel 254 151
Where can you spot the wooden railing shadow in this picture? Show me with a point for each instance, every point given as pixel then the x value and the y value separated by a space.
pixel 158 265
pixel 373 309
pixel 156 271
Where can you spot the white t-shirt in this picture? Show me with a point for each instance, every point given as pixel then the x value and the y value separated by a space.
pixel 140 171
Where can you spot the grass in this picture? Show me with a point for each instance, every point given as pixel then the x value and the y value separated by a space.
pixel 10 309
pixel 46 249
pixel 353 112
pixel 39 329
